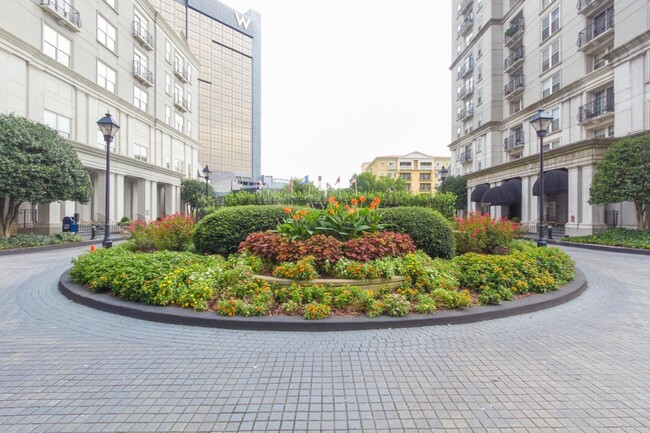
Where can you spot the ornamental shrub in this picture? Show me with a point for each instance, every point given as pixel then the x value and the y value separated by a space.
pixel 302 270
pixel 478 233
pixel 430 231
pixel 376 245
pixel 324 249
pixel 395 305
pixel 316 311
pixel 222 231
pixel 173 233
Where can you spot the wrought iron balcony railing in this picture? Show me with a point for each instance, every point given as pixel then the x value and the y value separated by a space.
pixel 464 6
pixel 465 112
pixel 467 156
pixel 514 58
pixel 466 24
pixel 466 68
pixel 518 83
pixel 182 103
pixel 515 30
pixel 141 34
pixel 598 27
pixel 466 90
pixel 596 108
pixel 514 141
pixel 181 72
pixel 62 9
pixel 142 73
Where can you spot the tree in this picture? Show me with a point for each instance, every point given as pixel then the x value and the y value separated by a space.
pixel 36 166
pixel 458 186
pixel 191 192
pixel 624 175
pixel 368 182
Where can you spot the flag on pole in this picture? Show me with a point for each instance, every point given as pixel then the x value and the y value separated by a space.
pixel 328 186
pixel 306 179
pixel 338 180
pixel 320 182
pixel 291 184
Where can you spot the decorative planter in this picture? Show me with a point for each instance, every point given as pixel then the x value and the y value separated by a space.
pixel 375 284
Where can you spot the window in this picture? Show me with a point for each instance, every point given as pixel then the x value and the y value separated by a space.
pixel 599 58
pixel 468 127
pixel 516 106
pixel 178 165
pixel 405 176
pixel 168 115
pixel 479 73
pixel 545 3
pixel 140 59
pixel 479 23
pixel 604 132
pixel 189 128
pixel 111 3
pixel 425 187
pixel 458 130
pixel 551 23
pixel 555 123
pixel 140 98
pixel 551 145
pixel 168 51
pixel 106 33
pixel 551 85
pixel 479 165
pixel 106 77
pixel 168 84
pixel 479 120
pixel 140 152
pixel 551 55
pixel 188 99
pixel 479 4
pixel 425 176
pixel 56 46
pixel 178 122
pixel 479 49
pixel 479 97
pixel 479 143
pixel 60 124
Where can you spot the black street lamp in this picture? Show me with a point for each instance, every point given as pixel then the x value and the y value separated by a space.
pixel 541 121
pixel 109 128
pixel 443 175
pixel 206 175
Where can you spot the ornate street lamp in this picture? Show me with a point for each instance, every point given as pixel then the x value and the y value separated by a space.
pixel 443 175
pixel 206 175
pixel 541 121
pixel 109 128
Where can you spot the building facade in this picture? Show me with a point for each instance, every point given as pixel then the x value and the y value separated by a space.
pixel 227 44
pixel 585 63
pixel 67 64
pixel 420 172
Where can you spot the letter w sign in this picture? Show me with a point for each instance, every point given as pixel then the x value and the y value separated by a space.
pixel 243 20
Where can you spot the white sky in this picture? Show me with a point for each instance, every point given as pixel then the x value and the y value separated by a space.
pixel 346 81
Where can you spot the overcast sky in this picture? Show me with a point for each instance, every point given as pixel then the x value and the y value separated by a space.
pixel 344 81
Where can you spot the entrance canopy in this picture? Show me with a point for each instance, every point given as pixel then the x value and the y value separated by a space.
pixel 479 191
pixel 555 182
pixel 507 194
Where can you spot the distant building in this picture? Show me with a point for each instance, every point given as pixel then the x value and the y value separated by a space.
pixel 585 63
pixel 67 66
pixel 419 171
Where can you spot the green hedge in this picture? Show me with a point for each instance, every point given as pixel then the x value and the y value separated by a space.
pixel 223 230
pixel 431 232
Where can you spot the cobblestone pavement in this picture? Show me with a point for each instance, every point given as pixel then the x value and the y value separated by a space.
pixel 583 366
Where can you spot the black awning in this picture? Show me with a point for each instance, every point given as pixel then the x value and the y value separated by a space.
pixel 479 190
pixel 504 195
pixel 555 182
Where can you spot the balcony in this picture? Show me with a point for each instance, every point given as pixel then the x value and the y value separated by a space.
pixel 467 24
pixel 464 6
pixel 515 59
pixel 601 31
pixel 65 14
pixel 181 72
pixel 514 87
pixel 144 75
pixel 181 103
pixel 141 35
pixel 467 156
pixel 590 7
pixel 514 32
pixel 597 110
pixel 465 113
pixel 466 68
pixel 466 90
pixel 514 141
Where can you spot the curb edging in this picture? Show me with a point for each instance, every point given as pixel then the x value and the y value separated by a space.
pixel 179 316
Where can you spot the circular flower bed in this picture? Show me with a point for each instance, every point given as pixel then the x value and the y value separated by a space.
pixel 343 242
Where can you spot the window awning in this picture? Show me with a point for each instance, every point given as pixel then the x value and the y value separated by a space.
pixel 507 194
pixel 555 182
pixel 479 191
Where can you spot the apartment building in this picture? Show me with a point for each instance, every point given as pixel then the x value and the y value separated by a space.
pixel 420 172
pixel 227 44
pixel 587 63
pixel 66 64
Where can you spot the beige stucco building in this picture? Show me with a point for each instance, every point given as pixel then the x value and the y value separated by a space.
pixel 420 172
pixel 66 65
pixel 585 63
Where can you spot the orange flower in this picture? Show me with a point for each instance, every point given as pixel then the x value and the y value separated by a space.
pixel 287 210
pixel 331 200
pixel 92 248
pixel 362 199
pixel 354 202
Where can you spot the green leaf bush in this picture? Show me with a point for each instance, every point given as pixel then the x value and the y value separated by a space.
pixel 222 231
pixel 26 240
pixel 617 237
pixel 430 231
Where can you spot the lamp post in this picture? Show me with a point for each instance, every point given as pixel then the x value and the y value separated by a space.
pixel 206 175
pixel 443 175
pixel 109 128
pixel 541 121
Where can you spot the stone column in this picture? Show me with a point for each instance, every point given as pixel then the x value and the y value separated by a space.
pixel 526 198
pixel 574 197
pixel 118 197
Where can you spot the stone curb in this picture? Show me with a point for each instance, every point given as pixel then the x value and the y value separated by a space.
pixel 179 316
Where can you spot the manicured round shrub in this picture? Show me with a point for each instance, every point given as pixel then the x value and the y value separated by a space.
pixel 223 230
pixel 430 231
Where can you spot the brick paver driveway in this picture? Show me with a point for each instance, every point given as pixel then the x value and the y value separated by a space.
pixel 583 366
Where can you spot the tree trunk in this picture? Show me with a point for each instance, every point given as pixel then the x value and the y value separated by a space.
pixel 8 214
pixel 641 223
